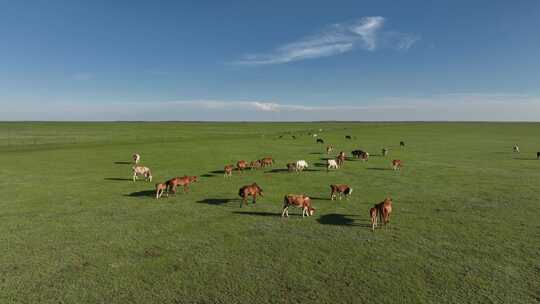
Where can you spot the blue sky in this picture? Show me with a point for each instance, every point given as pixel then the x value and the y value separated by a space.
pixel 274 60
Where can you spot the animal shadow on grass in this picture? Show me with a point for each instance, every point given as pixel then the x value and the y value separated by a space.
pixel 319 165
pixel 525 158
pixel 318 153
pixel 217 172
pixel 122 163
pixel 207 175
pixel 254 213
pixel 327 158
pixel 215 201
pixel 379 169
pixel 117 179
pixel 339 220
pixel 309 170
pixel 277 171
pixel 144 193
pixel 319 198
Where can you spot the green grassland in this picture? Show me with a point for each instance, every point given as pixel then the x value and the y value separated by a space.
pixel 75 229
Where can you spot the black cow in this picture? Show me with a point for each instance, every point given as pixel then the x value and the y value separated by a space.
pixel 348 137
pixel 402 144
pixel 537 155
pixel 357 153
pixel 320 141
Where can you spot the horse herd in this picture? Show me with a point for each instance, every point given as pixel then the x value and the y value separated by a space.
pixel 378 213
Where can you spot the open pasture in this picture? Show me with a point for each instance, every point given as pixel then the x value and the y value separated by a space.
pixel 74 228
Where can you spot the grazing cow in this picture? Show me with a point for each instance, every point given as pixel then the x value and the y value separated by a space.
pixel 291 167
pixel 537 155
pixel 250 190
pixel 384 151
pixel 267 161
pixel 293 137
pixel 299 201
pixel 183 181
pixel 160 188
pixel 384 209
pixel 402 144
pixel 339 190
pixel 331 164
pixel 396 164
pixel 329 149
pixel 348 137
pixel 341 158
pixel 365 156
pixel 515 148
pixel 227 171
pixel 373 214
pixel 136 158
pixel 141 171
pixel 255 164
pixel 301 165
pixel 241 165
pixel 357 153
pixel 320 141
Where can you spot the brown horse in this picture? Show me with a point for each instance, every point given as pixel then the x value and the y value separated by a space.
pixel 160 188
pixel 184 181
pixel 340 159
pixel 291 167
pixel 227 171
pixel 396 164
pixel 373 215
pixel 384 209
pixel 241 165
pixel 250 190
pixel 267 161
pixel 256 164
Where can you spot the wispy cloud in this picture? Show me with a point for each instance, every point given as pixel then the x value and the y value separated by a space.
pixel 366 33
pixel 446 107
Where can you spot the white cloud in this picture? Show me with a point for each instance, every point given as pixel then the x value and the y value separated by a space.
pixel 339 38
pixel 442 107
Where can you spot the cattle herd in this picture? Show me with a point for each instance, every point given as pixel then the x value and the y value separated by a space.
pixel 378 213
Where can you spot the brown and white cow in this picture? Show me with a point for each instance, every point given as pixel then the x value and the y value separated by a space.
pixel 227 170
pixel 160 188
pixel 384 209
pixel 241 165
pixel 267 161
pixel 250 190
pixel 365 156
pixel 396 164
pixel 384 151
pixel 136 158
pixel 297 200
pixel 329 149
pixel 142 171
pixel 339 190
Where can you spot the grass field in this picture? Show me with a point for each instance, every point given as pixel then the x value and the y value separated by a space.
pixel 75 229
